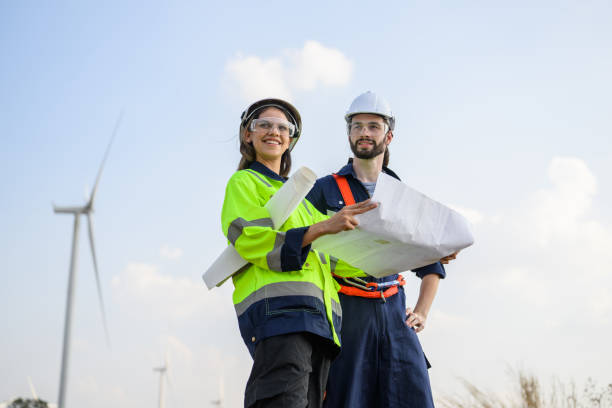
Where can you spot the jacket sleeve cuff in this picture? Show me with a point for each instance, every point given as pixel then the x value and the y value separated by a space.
pixel 436 268
pixel 293 255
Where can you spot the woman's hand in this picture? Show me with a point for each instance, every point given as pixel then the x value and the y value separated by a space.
pixel 343 220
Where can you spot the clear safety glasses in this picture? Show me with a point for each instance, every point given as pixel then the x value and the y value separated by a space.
pixel 265 125
pixel 372 127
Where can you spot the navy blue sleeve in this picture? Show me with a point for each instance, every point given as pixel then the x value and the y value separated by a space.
pixel 293 255
pixel 436 268
pixel 317 198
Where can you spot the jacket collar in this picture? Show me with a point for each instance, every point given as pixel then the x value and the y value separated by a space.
pixel 260 168
pixel 348 170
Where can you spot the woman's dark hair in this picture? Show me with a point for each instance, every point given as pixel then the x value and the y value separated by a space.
pixel 248 151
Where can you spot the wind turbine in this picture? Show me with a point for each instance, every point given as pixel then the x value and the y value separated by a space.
pixel 162 371
pixel 219 402
pixel 86 210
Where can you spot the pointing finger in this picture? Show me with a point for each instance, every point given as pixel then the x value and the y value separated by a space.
pixel 360 209
pixel 359 204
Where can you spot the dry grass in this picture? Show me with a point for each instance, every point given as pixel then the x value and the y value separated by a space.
pixel 529 394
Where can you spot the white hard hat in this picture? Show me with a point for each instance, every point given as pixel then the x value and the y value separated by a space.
pixel 369 102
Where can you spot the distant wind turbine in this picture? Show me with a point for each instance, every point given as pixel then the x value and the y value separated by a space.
pixel 32 389
pixel 35 395
pixel 163 371
pixel 86 210
pixel 219 402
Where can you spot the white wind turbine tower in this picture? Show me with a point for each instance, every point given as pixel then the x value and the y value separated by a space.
pixel 162 372
pixel 86 210
pixel 219 402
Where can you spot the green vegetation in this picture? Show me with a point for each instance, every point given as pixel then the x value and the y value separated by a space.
pixel 27 403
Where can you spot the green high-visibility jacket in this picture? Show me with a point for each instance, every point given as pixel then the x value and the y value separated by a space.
pixel 285 288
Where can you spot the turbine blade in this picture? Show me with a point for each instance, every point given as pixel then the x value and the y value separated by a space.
pixel 115 130
pixel 32 390
pixel 95 262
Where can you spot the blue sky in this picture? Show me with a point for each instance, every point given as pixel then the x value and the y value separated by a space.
pixel 502 112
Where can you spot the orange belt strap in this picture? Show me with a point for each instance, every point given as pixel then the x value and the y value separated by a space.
pixel 373 291
pixel 350 291
pixel 345 190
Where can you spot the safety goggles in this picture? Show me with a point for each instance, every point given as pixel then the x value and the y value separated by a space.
pixel 266 125
pixel 373 127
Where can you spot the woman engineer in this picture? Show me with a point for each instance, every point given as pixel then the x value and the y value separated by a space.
pixel 285 299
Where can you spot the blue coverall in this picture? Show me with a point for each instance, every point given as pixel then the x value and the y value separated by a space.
pixel 381 363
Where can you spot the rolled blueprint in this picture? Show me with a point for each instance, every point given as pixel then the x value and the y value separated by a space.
pixel 280 206
pixel 406 231
pixel 290 195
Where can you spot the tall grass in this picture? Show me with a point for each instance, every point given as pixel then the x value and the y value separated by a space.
pixel 528 393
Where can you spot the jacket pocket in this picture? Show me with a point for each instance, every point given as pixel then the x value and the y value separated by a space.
pixel 275 307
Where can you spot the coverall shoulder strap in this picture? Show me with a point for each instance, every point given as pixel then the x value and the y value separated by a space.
pixel 345 189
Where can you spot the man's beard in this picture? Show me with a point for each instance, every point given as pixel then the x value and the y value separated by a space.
pixel 376 150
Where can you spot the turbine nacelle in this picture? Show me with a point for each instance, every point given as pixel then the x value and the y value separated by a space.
pixel 72 210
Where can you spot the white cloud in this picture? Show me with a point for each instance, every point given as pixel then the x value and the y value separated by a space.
pixel 473 216
pixel 316 64
pixel 558 213
pixel 146 287
pixel 170 253
pixel 258 78
pixel 564 248
pixel 571 175
pixel 559 248
pixel 294 70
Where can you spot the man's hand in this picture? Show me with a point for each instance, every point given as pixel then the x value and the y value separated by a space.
pixel 449 258
pixel 415 320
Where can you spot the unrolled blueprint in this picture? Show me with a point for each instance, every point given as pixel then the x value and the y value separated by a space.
pixel 407 230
